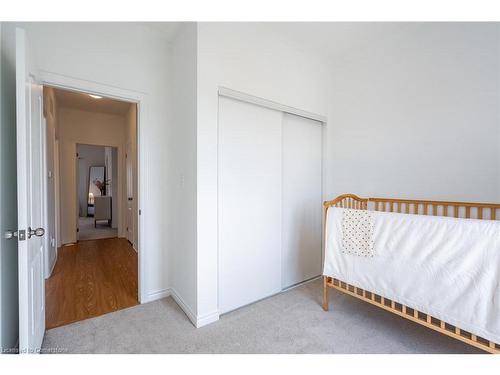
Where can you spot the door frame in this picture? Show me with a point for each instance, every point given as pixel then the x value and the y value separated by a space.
pixel 120 196
pixel 141 100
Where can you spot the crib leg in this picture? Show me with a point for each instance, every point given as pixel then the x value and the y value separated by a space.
pixel 325 293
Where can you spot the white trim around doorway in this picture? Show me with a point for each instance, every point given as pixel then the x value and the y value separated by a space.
pixel 141 99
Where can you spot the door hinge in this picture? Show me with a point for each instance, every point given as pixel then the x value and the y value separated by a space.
pixel 140 212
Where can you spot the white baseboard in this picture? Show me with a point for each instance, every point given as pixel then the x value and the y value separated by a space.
pixel 198 321
pixel 207 319
pixel 187 310
pixel 157 295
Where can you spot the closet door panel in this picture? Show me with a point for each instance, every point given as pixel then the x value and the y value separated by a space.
pixel 249 203
pixel 302 200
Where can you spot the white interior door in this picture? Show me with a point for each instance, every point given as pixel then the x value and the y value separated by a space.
pixel 249 203
pixel 301 229
pixel 29 200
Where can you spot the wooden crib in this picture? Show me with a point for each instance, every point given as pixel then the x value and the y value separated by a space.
pixel 421 207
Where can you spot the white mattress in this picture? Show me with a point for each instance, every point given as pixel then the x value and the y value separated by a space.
pixel 446 267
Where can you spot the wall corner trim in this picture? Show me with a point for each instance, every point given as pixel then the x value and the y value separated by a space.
pixel 197 321
pixel 183 305
pixel 207 319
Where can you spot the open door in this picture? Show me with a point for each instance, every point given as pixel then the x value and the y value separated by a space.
pixel 30 200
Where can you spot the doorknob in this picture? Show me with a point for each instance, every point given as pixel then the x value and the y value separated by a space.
pixel 39 232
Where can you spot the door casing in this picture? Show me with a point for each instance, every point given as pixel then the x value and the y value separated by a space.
pixel 140 99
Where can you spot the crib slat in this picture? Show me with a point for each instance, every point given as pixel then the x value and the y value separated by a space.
pixel 434 210
pixel 493 213
pixel 467 212
pixel 479 212
pixel 455 211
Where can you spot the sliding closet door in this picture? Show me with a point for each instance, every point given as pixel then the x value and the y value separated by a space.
pixel 249 203
pixel 301 252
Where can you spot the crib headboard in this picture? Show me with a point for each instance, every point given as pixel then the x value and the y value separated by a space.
pixel 348 201
pixel 467 210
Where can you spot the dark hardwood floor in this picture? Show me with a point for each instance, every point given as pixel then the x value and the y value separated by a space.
pixel 91 278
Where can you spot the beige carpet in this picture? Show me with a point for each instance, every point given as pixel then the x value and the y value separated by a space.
pixel 88 232
pixel 291 322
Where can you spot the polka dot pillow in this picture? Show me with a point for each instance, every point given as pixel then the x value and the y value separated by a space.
pixel 357 232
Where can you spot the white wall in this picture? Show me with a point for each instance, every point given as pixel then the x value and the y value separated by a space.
pixel 243 57
pixel 416 115
pixel 9 314
pixel 413 115
pixel 183 165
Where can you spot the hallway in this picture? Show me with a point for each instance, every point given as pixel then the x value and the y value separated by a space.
pixel 91 278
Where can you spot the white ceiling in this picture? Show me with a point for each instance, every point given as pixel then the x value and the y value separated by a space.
pixel 82 101
pixel 329 39
pixel 167 30
pixel 334 39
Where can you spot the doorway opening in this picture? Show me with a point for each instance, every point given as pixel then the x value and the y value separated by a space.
pixel 97 168
pixel 91 257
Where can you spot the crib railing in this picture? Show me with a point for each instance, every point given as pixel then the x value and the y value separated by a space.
pixel 466 210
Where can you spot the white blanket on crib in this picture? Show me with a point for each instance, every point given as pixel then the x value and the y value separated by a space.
pixel 446 267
